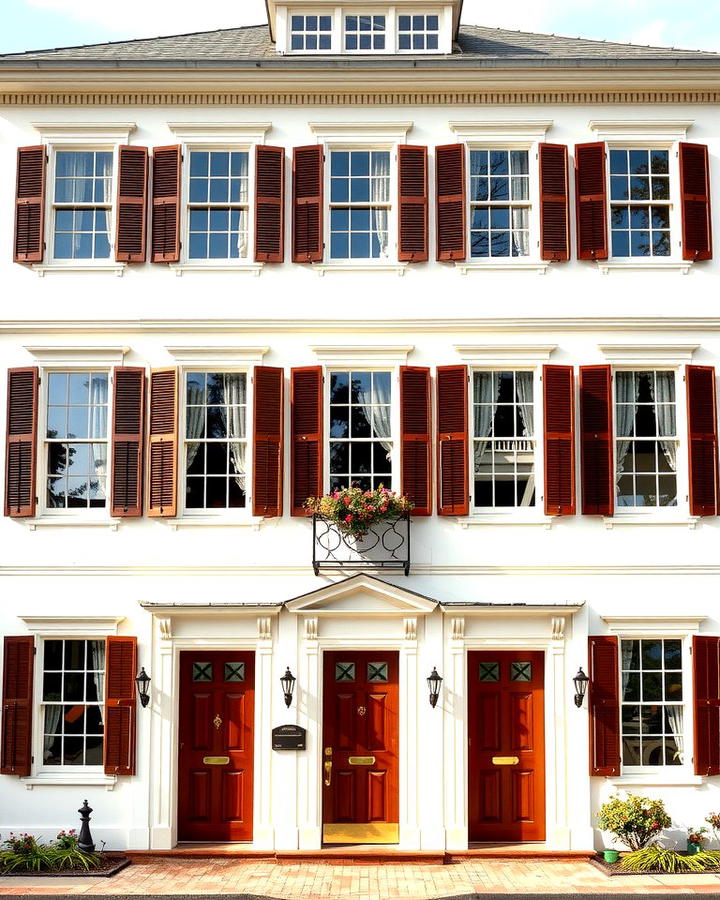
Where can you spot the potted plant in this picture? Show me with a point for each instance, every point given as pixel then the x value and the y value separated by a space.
pixel 634 821
pixel 713 821
pixel 355 511
pixel 695 839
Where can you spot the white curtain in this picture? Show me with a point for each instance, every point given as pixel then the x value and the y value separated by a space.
pixel 626 391
pixel 626 657
pixel 676 717
pixel 52 719
pixel 524 389
pixel 484 407
pixel 377 412
pixel 97 662
pixel 234 414
pixel 664 397
pixel 194 420
pixel 98 429
pixel 380 193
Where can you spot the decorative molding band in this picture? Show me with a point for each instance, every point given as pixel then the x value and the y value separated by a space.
pixel 212 132
pixel 676 624
pixel 208 354
pixel 78 356
pixel 444 98
pixel 65 625
pixel 372 355
pixel 632 130
pixel 518 131
pixel 658 354
pixel 374 132
pixel 489 353
pixel 79 132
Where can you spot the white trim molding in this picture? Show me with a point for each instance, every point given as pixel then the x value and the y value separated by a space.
pixel 605 266
pixel 220 132
pixel 371 355
pixel 496 353
pixel 365 132
pixel 362 595
pixel 117 269
pixel 668 130
pixel 87 626
pixel 654 624
pixel 181 269
pixel 84 132
pixel 512 131
pixel 207 354
pixel 512 265
pixel 648 354
pixel 78 356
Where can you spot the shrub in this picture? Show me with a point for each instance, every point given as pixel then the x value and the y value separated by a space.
pixel 697 835
pixel 635 821
pixel 655 859
pixel 26 854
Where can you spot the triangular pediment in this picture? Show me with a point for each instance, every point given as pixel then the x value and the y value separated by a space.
pixel 362 595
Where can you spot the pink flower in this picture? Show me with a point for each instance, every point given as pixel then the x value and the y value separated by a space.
pixel 348 518
pixel 347 501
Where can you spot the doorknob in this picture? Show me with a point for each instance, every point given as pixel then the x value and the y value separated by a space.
pixel 328 773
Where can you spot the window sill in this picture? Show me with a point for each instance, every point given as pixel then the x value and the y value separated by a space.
pixel 253 522
pixel 102 269
pixel 395 268
pixel 515 265
pixel 611 521
pixel 494 519
pixel 661 779
pixel 609 265
pixel 191 268
pixel 83 780
pixel 62 522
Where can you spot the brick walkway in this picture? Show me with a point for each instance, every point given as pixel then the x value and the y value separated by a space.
pixel 384 882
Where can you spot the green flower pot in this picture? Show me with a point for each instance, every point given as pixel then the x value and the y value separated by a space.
pixel 611 856
pixel 693 848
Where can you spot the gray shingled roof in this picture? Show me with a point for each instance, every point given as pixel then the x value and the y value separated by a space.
pixel 252 43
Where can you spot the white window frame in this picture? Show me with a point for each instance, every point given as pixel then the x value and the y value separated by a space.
pixel 401 11
pixel 389 31
pixel 336 29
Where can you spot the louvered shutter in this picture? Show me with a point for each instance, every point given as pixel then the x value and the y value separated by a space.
pixel 412 203
pixel 706 699
pixel 163 450
pixel 167 166
pixel 21 446
pixel 120 705
pixel 308 169
pixel 17 705
pixel 604 705
pixel 29 243
pixel 306 426
pixel 591 201
pixel 559 440
pixel 702 440
pixel 269 204
pixel 415 424
pixel 132 204
pixel 451 215
pixel 267 441
pixel 554 202
pixel 695 201
pixel 128 428
pixel 598 484
pixel 453 456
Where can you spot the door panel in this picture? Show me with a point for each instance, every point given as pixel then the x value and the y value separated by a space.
pixel 360 740
pixel 506 746
pixel 215 762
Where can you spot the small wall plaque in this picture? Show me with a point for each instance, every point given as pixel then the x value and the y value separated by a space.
pixel 288 737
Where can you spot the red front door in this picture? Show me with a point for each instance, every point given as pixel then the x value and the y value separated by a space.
pixel 506 747
pixel 360 748
pixel 215 778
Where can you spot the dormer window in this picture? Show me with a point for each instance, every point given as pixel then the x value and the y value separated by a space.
pixel 364 33
pixel 420 32
pixel 310 33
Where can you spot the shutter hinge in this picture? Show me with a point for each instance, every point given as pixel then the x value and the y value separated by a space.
pixel 32 759
pixel 690 650
pixel 35 648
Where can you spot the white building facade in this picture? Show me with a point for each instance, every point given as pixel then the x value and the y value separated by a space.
pixel 365 245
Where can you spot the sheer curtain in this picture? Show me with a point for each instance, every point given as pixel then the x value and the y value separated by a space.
pixel 664 397
pixel 194 420
pixel 524 388
pixel 676 718
pixel 626 391
pixel 380 193
pixel 234 414
pixel 97 662
pixel 378 412
pixel 98 429
pixel 484 409
pixel 626 649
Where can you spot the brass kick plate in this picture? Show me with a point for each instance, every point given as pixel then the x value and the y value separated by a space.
pixel 361 760
pixel 216 760
pixel 370 833
pixel 505 760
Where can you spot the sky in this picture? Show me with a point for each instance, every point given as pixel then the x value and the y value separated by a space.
pixel 36 24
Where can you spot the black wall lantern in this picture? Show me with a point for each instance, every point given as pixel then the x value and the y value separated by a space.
pixel 581 682
pixel 142 682
pixel 287 682
pixel 434 685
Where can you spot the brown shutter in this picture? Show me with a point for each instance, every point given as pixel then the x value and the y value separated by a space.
pixel 21 446
pixel 559 440
pixel 167 167
pixel 163 450
pixel 128 428
pixel 591 201
pixel 308 176
pixel 702 440
pixel 268 441
pixel 706 699
pixel 132 204
pixel 415 425
pixel 695 201
pixel 30 205
pixel 596 439
pixel 453 456
pixel 554 202
pixel 604 705
pixel 306 426
pixel 120 705
pixel 412 203
pixel 269 204
pixel 451 214
pixel 17 705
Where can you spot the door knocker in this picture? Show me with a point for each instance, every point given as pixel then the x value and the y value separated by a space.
pixel 361 710
pixel 217 722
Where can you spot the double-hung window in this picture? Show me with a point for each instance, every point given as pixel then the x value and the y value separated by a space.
pixel 499 203
pixel 652 711
pixel 418 32
pixel 76 440
pixel 364 33
pixel 218 205
pixel 359 204
pixel 640 203
pixel 503 449
pixel 82 201
pixel 361 438
pixel 309 33
pixel 215 443
pixel 73 696
pixel 645 439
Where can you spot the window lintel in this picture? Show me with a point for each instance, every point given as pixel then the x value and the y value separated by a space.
pixel 74 357
pixel 513 132
pixel 220 132
pixel 653 130
pixel 648 355
pixel 75 626
pixel 218 356
pixel 85 132
pixel 372 357
pixel 497 354
pixel 657 626
pixel 362 132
